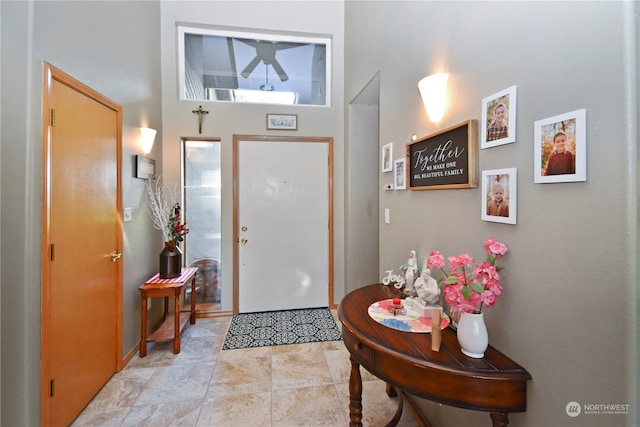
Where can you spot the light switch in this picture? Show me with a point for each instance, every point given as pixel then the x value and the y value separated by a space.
pixel 386 216
pixel 128 214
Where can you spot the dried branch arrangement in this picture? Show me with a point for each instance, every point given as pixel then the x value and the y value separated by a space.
pixel 161 204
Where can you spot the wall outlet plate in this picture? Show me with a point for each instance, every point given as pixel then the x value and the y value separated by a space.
pixel 388 187
pixel 128 214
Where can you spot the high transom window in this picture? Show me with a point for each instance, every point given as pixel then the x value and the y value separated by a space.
pixel 240 66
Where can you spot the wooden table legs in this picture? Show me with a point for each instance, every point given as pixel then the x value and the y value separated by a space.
pixel 498 419
pixel 176 322
pixel 143 334
pixel 192 319
pixel 355 395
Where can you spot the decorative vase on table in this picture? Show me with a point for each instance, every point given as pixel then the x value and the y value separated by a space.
pixel 170 261
pixel 472 334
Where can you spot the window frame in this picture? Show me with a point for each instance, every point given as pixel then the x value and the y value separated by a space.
pixel 183 29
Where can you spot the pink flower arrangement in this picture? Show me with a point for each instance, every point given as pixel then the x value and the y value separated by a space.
pixel 469 287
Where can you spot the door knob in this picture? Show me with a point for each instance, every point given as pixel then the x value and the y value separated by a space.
pixel 244 228
pixel 244 241
pixel 116 255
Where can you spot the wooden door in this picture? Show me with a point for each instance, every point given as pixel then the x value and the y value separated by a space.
pixel 284 223
pixel 81 281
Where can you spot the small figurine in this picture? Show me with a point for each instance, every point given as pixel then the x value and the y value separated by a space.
pixel 427 288
pixel 410 271
pixel 428 294
pixel 396 307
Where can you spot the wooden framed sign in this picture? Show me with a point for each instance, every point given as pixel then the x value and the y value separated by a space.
pixel 445 160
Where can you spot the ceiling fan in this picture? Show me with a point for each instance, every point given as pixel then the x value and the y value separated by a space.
pixel 266 53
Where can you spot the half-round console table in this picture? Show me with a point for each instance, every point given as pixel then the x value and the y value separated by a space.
pixel 404 360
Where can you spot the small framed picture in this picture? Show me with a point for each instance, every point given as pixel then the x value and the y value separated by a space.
pixel 560 153
pixel 400 174
pixel 145 167
pixel 282 121
pixel 387 155
pixel 499 118
pixel 499 195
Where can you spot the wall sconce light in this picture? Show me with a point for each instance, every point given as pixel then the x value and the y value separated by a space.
pixel 433 90
pixel 147 136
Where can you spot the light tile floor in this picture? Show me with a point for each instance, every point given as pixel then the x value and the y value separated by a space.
pixel 290 385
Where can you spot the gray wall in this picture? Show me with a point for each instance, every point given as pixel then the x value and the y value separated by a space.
pixel 226 119
pixel 362 184
pixel 569 309
pixel 112 47
pixel 121 49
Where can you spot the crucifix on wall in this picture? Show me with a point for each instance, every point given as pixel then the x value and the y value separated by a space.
pixel 200 112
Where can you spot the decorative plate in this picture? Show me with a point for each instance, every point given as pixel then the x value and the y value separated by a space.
pixel 405 319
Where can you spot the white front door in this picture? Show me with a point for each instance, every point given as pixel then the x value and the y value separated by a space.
pixel 283 193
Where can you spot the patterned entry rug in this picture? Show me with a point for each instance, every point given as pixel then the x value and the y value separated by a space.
pixel 281 327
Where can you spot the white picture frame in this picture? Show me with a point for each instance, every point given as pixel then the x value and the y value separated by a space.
pixel 400 174
pixel 568 130
pixel 387 157
pixel 282 121
pixel 505 211
pixel 504 101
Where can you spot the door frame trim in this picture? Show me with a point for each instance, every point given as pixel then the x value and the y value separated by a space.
pixel 236 188
pixel 50 74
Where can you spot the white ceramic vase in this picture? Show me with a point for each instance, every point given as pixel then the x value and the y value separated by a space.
pixel 472 334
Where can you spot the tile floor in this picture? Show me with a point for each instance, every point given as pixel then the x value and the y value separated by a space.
pixel 291 385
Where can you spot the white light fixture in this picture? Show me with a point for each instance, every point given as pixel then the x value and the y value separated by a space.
pixel 433 90
pixel 147 136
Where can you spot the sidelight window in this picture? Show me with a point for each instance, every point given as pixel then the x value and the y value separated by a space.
pixel 202 213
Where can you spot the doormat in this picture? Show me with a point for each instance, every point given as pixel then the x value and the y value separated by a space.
pixel 281 327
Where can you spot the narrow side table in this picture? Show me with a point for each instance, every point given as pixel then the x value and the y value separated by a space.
pixel 170 329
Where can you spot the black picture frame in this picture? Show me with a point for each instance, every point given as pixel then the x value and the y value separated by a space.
pixel 445 160
pixel 145 167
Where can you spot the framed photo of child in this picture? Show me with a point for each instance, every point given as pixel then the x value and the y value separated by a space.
pixel 387 155
pixel 499 195
pixel 400 174
pixel 498 118
pixel 560 148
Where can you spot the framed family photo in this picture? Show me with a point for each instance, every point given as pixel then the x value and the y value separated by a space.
pixel 560 148
pixel 498 118
pixel 387 155
pixel 499 195
pixel 400 174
